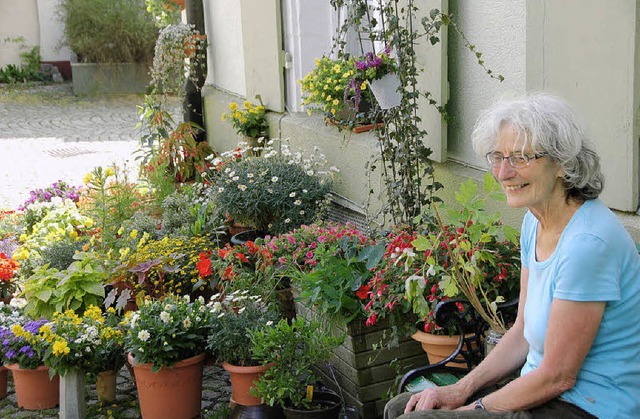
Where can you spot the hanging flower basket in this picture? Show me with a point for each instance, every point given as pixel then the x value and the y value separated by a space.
pixel 386 91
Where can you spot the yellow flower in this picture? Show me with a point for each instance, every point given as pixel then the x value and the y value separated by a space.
pixel 60 347
pixel 363 86
pixel 133 234
pixel 109 172
pixel 233 106
pixel 87 178
pixel 247 104
pixel 336 101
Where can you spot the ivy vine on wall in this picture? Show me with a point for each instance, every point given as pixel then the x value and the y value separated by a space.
pixel 404 160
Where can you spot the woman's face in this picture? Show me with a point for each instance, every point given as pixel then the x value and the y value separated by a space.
pixel 536 186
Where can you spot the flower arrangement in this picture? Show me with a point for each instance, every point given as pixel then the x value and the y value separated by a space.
pixel 232 320
pixel 325 87
pixel 24 344
pixel 274 193
pixel 83 343
pixel 250 121
pixel 374 66
pixel 163 332
pixel 57 189
pixel 8 268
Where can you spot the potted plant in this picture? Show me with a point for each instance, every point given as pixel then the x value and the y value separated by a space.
pixel 76 288
pixel 329 88
pixel 294 349
pixel 272 193
pixel 229 342
pixel 9 315
pixel 24 348
pixel 425 268
pixel 80 344
pixel 380 72
pixel 113 41
pixel 250 122
pixel 165 340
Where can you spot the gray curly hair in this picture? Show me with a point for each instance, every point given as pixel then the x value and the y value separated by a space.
pixel 550 126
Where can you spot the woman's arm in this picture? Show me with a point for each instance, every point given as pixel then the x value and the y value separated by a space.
pixel 571 330
pixel 506 358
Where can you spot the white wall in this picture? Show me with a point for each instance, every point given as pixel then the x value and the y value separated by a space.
pixel 51 32
pixel 17 18
pixel 225 54
pixel 498 30
pixel 589 58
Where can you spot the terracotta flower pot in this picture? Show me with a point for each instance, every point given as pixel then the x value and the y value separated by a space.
pixel 106 386
pixel 34 389
pixel 171 393
pixel 242 379
pixel 438 347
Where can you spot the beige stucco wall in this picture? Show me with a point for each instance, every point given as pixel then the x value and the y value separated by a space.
pixel 17 18
pixel 511 43
pixel 226 58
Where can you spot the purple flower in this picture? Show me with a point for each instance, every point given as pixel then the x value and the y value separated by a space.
pixel 25 349
pixel 10 354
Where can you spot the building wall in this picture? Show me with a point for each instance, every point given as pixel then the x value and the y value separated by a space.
pixel 17 18
pixel 225 53
pixel 594 68
pixel 52 37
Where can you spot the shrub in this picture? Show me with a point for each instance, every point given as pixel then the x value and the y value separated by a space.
pixel 109 31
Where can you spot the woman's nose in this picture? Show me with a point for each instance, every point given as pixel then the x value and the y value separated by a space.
pixel 504 170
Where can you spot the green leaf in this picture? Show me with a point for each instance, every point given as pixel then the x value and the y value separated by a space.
pixel 421 243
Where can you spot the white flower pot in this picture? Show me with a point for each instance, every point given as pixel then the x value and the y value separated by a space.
pixel 386 91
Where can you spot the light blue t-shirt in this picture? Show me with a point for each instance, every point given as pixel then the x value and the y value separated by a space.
pixel 594 260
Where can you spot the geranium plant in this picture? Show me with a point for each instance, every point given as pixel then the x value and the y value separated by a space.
pixel 163 332
pixel 8 268
pixel 250 121
pixel 232 320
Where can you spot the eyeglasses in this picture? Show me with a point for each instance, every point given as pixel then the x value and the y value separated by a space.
pixel 517 160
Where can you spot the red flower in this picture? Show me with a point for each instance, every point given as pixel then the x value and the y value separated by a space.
pixel 371 320
pixel 363 292
pixel 204 265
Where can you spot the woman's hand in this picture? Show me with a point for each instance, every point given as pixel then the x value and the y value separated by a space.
pixel 446 398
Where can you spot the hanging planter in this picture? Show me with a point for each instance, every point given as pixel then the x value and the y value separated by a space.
pixel 386 91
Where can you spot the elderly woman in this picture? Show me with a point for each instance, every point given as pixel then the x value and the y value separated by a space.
pixel 576 340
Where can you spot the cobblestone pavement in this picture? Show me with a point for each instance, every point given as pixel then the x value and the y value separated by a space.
pixel 47 134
